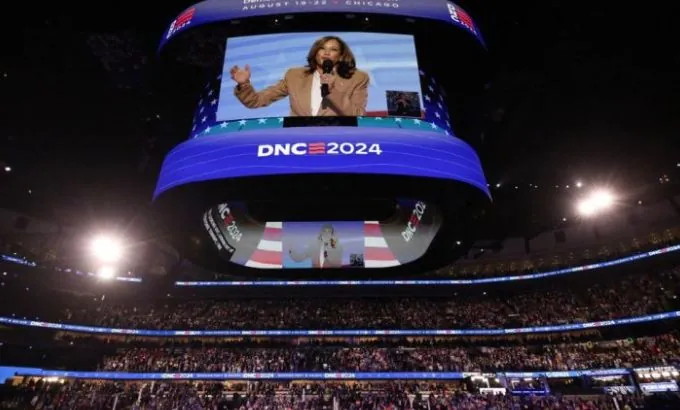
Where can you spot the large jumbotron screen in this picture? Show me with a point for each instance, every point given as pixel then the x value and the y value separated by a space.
pixel 332 103
pixel 382 113
pixel 210 11
pixel 382 110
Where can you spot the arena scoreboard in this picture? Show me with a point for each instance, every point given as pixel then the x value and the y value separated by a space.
pixel 324 138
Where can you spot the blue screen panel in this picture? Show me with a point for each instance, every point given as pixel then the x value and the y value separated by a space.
pixel 399 151
pixel 343 332
pixel 8 372
pixel 210 11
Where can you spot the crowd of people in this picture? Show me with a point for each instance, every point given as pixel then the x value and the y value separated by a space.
pixel 215 396
pixel 648 351
pixel 628 295
pixel 632 295
pixel 532 264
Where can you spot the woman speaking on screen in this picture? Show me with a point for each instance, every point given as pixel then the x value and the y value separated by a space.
pixel 329 85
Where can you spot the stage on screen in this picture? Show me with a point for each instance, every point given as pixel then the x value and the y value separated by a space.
pixel 378 73
pixel 402 238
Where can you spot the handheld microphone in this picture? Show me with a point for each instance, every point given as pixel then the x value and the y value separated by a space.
pixel 327 67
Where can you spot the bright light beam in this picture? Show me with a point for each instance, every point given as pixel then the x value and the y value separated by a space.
pixel 106 272
pixel 107 249
pixel 595 203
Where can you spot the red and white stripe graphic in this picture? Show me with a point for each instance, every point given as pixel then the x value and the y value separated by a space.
pixel 185 17
pixel 376 252
pixel 316 148
pixel 181 21
pixel 269 252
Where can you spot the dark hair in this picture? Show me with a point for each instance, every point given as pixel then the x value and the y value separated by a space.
pixel 347 65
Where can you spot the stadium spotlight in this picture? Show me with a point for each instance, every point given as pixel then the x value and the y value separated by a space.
pixel 106 272
pixel 107 249
pixel 595 203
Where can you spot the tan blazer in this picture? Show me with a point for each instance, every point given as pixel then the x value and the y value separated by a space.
pixel 348 97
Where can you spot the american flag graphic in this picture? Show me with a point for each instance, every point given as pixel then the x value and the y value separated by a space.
pixel 377 253
pixel 436 116
pixel 269 252
pixel 181 21
pixel 459 15
pixel 316 148
pixel 229 218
